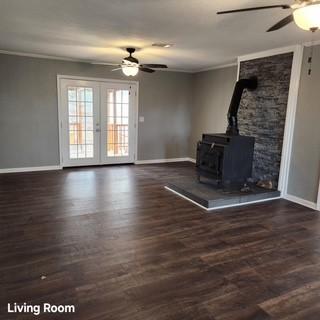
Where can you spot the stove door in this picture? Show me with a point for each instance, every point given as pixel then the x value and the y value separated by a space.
pixel 210 159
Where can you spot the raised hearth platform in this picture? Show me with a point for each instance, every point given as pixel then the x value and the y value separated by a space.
pixel 213 197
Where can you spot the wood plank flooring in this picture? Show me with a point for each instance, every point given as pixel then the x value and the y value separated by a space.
pixel 117 245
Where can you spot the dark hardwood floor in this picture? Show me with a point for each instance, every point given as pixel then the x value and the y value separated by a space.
pixel 117 245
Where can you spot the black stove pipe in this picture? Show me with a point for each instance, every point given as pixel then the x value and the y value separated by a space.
pixel 241 84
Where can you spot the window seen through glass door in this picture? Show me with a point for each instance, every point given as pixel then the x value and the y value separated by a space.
pixel 118 123
pixel 80 116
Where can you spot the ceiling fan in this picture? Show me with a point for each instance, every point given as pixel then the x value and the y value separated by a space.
pixel 130 65
pixel 306 14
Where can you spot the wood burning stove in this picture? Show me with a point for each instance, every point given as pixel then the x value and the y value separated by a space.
pixel 226 158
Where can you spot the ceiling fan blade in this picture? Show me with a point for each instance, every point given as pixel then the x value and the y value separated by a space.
pixel 116 69
pixel 282 23
pixel 105 63
pixel 146 70
pixel 155 65
pixel 282 6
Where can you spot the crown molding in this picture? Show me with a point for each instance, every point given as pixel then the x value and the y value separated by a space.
pixel 44 56
pixel 311 43
pixel 221 66
pixel 41 56
pixel 216 67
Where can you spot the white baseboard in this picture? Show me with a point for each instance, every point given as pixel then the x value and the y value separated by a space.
pixel 48 168
pixel 192 160
pixel 30 169
pixel 303 202
pixel 163 160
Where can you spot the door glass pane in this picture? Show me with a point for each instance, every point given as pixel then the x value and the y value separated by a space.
pixel 125 110
pixel 73 152
pixel 89 123
pixel 88 95
pixel 117 130
pixel 81 109
pixel 80 94
pixel 72 94
pixel 72 108
pixel 125 96
pixel 89 151
pixel 80 117
pixel 81 151
pixel 89 109
pixel 118 96
pixel 118 109
pixel 89 137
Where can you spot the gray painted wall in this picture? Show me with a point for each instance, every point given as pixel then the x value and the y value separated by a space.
pixel 211 99
pixel 305 161
pixel 29 114
pixel 29 119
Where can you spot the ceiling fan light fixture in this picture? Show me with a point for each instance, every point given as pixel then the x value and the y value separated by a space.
pixel 129 69
pixel 308 17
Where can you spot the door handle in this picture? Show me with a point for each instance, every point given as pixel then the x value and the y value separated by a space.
pixel 98 130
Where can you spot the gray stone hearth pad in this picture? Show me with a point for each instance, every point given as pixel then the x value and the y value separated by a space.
pixel 211 197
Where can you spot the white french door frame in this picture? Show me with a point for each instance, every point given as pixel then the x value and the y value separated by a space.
pixel 100 81
pixel 64 127
pixel 104 123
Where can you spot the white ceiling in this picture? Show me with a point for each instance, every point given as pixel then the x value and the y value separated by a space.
pixel 96 30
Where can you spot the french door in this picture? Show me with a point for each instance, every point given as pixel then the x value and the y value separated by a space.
pixel 97 122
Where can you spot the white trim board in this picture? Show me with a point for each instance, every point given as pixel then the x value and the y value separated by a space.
pixel 137 97
pixel 30 169
pixel 267 53
pixel 318 198
pixel 291 107
pixel 154 161
pixel 301 201
pixel 220 207
pixel 290 119
pixel 264 54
